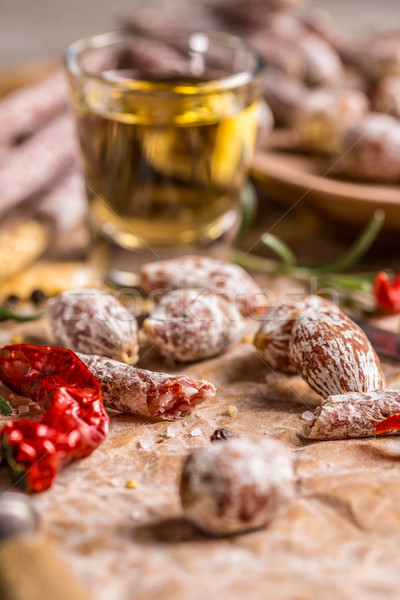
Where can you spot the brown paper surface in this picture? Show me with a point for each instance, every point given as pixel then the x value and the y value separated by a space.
pixel 338 539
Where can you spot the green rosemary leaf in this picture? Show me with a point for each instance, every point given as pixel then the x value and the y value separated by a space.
pixel 5 407
pixel 280 248
pixel 357 250
pixel 6 314
pixel 248 205
pixel 359 283
pixel 258 263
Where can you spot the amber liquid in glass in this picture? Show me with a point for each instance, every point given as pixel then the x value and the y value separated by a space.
pixel 164 170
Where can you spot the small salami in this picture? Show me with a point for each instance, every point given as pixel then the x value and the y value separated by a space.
pixel 236 486
pixel 284 95
pixel 246 15
pixel 325 116
pixel 372 149
pixel 94 322
pixel 387 96
pixel 141 392
pixel 189 325
pixel 380 56
pixel 273 337
pixel 299 54
pixel 209 274
pixel 353 415
pixel 333 355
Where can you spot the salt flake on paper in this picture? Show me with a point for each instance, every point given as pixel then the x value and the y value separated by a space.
pixel 196 432
pixel 146 442
pixel 307 415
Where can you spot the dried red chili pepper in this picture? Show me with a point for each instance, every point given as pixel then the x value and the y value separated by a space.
pixel 387 292
pixel 392 423
pixel 74 423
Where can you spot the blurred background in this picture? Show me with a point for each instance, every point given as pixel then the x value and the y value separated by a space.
pixel 298 165
pixel 42 28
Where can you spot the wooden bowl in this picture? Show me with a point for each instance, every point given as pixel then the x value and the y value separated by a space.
pixel 293 178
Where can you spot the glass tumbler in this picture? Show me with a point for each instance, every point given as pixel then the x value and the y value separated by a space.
pixel 167 128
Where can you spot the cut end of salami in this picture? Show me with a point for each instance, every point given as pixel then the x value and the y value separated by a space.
pixel 176 396
pixel 355 415
pixel 137 391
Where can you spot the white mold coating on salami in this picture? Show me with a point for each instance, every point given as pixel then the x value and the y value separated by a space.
pixel 387 95
pixel 236 485
pixel 372 149
pixel 190 325
pixel 141 392
pixel 334 355
pixel 94 322
pixel 273 337
pixel 381 56
pixel 324 117
pixel 352 415
pixel 208 274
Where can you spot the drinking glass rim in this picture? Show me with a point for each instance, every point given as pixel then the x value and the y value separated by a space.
pixel 99 40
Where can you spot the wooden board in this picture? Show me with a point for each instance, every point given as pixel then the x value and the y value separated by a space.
pixel 292 177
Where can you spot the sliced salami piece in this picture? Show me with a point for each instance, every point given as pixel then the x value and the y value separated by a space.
pixel 352 415
pixel 137 391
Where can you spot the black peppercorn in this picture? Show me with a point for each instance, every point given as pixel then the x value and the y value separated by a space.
pixel 222 434
pixel 38 297
pixel 12 299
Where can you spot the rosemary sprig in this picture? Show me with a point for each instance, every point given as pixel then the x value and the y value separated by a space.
pixel 5 407
pixel 328 275
pixel 248 207
pixel 7 314
pixel 280 248
pixel 357 250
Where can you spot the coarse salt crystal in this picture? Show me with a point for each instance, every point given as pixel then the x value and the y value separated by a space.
pixel 190 391
pixel 146 442
pixel 172 431
pixel 138 513
pixel 307 415
pixel 196 432
pixel 23 409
